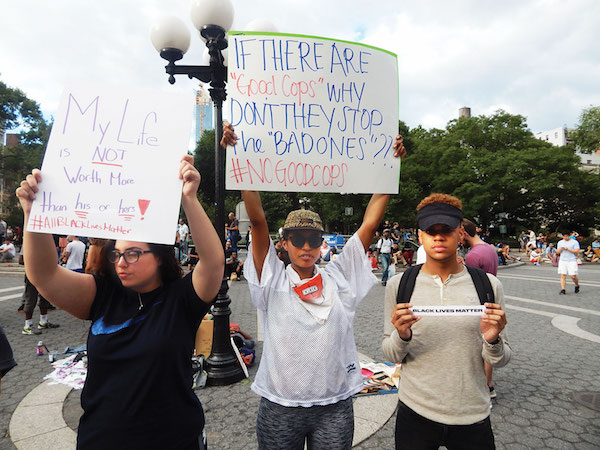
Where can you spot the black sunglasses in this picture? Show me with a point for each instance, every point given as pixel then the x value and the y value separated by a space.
pixel 298 240
pixel 131 256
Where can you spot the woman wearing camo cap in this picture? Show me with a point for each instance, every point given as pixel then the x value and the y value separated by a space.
pixel 309 368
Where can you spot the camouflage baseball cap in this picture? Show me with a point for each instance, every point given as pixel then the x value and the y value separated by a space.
pixel 303 219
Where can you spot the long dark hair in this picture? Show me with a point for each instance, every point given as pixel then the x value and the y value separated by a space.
pixel 169 268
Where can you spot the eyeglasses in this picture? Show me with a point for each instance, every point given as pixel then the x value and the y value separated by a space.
pixel 130 256
pixel 298 240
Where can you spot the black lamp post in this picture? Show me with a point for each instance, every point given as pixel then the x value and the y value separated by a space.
pixel 171 38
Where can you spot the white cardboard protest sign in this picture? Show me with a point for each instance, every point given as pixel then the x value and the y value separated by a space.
pixel 454 310
pixel 111 167
pixel 311 115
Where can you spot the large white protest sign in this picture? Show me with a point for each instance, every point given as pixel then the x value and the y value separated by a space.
pixel 311 114
pixel 111 168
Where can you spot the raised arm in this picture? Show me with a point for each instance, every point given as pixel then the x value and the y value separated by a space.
pixel 260 230
pixel 256 214
pixel 74 292
pixel 208 273
pixel 372 218
pixel 377 205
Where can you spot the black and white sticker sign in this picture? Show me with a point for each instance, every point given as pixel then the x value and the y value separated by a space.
pixel 454 310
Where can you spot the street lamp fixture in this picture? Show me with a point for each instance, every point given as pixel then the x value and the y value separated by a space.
pixel 171 39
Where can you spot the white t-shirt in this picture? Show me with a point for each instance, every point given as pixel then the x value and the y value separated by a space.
pixel 421 255
pixel 571 244
pixel 11 249
pixel 385 245
pixel 305 363
pixel 76 250
pixel 184 232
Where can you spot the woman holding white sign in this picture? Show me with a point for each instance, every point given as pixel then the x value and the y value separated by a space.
pixel 309 368
pixel 144 317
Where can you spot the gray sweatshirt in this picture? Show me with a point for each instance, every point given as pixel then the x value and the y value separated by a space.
pixel 442 376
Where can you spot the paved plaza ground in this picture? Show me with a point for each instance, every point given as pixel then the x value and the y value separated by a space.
pixel 555 340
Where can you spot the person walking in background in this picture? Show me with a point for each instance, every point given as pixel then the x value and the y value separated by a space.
pixel 184 237
pixel 384 252
pixel 31 298
pixel 73 254
pixel 568 251
pixel 444 397
pixel 522 241
pixel 234 231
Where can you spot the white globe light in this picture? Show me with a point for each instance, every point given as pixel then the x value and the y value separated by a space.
pixel 212 12
pixel 170 32
pixel 262 25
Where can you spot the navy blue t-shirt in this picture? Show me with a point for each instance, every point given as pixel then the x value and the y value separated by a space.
pixel 138 392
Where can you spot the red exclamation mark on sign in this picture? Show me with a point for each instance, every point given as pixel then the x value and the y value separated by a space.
pixel 143 206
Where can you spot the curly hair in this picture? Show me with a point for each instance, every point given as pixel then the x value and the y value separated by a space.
pixel 169 268
pixel 440 198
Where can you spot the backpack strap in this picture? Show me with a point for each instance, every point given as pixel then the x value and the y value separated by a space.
pixel 482 283
pixel 407 284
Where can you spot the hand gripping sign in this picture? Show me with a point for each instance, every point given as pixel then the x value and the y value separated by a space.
pixel 111 167
pixel 311 115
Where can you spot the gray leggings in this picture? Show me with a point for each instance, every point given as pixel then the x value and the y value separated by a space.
pixel 328 427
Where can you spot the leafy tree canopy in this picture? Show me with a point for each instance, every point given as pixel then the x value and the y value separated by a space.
pixel 22 116
pixel 586 136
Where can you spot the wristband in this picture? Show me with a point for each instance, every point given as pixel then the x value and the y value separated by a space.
pixel 409 338
pixel 491 344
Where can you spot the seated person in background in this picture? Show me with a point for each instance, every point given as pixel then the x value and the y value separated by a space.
pixel 397 255
pixel 536 256
pixel 501 257
pixel 550 253
pixel 506 252
pixel 333 253
pixel 192 258
pixel 372 255
pixel 228 249
pixel 233 267
pixel 408 253
pixel 7 251
pixel 596 247
pixel 589 254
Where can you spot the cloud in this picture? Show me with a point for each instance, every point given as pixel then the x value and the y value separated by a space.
pixel 537 58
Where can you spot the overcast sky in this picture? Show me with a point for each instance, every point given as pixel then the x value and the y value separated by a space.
pixel 538 58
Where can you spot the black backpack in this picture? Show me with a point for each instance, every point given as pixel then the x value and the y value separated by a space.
pixel 480 280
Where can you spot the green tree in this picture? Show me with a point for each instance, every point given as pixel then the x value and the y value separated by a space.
pixel 23 116
pixel 478 159
pixel 586 135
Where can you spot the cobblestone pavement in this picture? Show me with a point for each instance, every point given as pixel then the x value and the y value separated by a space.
pixel 535 407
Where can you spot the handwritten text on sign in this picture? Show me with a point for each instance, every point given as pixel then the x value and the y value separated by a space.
pixel 111 166
pixel 454 310
pixel 311 114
